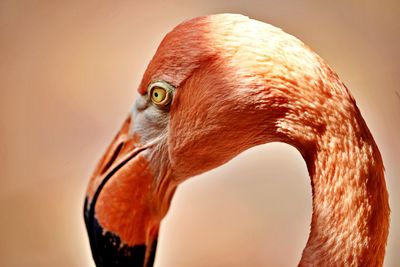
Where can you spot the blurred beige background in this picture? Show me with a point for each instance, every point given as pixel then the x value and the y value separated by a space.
pixel 68 76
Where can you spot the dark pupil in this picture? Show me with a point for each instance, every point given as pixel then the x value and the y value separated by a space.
pixel 156 94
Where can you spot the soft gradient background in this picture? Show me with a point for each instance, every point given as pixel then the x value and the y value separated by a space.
pixel 68 76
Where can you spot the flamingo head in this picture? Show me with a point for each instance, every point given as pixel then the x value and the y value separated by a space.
pixel 216 86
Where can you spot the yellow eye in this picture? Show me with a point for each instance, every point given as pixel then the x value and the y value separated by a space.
pixel 160 93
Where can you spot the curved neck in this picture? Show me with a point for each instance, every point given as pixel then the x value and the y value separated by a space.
pixel 350 216
pixel 350 203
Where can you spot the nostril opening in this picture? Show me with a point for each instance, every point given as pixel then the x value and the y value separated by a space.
pixel 112 158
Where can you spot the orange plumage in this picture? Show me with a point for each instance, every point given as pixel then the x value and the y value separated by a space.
pixel 240 83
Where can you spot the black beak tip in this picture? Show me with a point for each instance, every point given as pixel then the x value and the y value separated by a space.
pixel 107 250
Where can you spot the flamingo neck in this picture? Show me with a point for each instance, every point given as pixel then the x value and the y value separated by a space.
pixel 350 216
pixel 350 203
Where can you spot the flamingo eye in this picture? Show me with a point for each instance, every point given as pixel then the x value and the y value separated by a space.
pixel 160 93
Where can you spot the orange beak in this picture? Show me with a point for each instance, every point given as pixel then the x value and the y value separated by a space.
pixel 120 218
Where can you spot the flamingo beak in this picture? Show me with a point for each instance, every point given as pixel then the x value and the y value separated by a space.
pixel 117 212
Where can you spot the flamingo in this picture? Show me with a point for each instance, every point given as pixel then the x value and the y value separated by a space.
pixel 216 86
